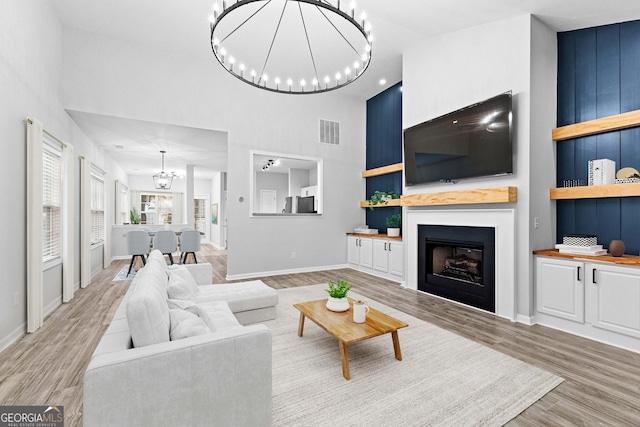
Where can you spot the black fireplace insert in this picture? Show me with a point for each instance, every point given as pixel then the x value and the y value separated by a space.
pixel 458 263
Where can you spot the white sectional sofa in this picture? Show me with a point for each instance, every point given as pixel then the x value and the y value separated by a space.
pixel 141 374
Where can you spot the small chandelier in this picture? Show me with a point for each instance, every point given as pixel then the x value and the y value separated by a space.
pixel 163 180
pixel 291 46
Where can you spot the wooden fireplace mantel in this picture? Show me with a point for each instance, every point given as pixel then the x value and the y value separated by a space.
pixel 460 197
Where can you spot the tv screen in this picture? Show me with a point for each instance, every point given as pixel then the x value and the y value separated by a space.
pixel 471 142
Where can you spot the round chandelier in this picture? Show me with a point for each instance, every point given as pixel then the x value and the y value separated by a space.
pixel 291 46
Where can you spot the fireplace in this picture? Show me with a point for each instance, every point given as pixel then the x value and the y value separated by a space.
pixel 458 263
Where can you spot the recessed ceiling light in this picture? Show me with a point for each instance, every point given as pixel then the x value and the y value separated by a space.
pixel 382 81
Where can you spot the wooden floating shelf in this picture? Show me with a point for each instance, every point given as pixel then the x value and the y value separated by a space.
pixel 461 197
pixel 392 202
pixel 593 127
pixel 382 171
pixel 595 191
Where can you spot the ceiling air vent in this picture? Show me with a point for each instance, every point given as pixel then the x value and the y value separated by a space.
pixel 329 132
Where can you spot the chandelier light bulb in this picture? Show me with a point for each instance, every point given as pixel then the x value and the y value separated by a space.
pixel 352 6
pixel 347 71
pixel 216 42
pixel 367 27
pixel 367 48
pixel 289 82
pixel 212 18
pixel 314 82
pixel 370 38
pixel 216 7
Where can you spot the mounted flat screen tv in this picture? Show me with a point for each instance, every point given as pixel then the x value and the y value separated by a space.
pixel 471 142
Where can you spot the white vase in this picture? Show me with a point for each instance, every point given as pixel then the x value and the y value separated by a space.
pixel 393 232
pixel 338 304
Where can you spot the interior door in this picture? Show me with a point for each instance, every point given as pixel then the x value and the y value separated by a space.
pixel 268 201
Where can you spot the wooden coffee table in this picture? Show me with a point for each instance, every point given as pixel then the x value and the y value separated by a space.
pixel 342 327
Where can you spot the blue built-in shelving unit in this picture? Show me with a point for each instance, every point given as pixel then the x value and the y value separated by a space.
pixel 384 147
pixel 598 76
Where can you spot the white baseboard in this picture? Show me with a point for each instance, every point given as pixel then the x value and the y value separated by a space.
pixel 281 272
pixel 51 307
pixel 527 320
pixel 13 336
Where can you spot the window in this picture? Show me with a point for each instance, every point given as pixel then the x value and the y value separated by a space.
pixel 97 208
pixel 156 209
pixel 51 200
pixel 122 204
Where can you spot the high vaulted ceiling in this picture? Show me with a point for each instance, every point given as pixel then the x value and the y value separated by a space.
pixel 397 26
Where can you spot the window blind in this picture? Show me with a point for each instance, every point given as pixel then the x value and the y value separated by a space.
pixel 51 202
pixel 97 208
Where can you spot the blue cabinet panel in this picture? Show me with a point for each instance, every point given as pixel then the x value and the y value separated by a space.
pixel 608 220
pixel 630 224
pixel 566 80
pixel 585 70
pixel 377 218
pixel 384 147
pixel 565 214
pixel 384 128
pixel 608 70
pixel 630 66
pixel 598 71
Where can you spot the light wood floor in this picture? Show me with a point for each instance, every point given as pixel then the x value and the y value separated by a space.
pixel 601 387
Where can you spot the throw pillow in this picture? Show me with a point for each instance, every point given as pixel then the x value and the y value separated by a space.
pixel 182 272
pixel 178 289
pixel 185 325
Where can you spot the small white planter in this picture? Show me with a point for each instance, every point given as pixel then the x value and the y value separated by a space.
pixel 393 232
pixel 338 304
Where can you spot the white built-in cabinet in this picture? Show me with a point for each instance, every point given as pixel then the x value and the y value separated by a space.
pixel 601 300
pixel 560 288
pixel 376 255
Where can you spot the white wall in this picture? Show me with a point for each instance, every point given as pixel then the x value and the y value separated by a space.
pixel 31 74
pixel 453 70
pixel 118 78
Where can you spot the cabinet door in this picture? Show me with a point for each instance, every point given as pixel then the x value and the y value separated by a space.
pixel 560 288
pixel 616 298
pixel 366 252
pixel 353 250
pixel 380 255
pixel 396 258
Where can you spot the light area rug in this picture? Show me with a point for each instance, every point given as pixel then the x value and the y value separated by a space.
pixel 122 274
pixel 443 379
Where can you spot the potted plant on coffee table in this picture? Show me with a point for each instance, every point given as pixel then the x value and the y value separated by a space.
pixel 393 225
pixel 338 296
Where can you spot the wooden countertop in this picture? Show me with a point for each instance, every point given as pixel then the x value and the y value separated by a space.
pixel 375 236
pixel 630 260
